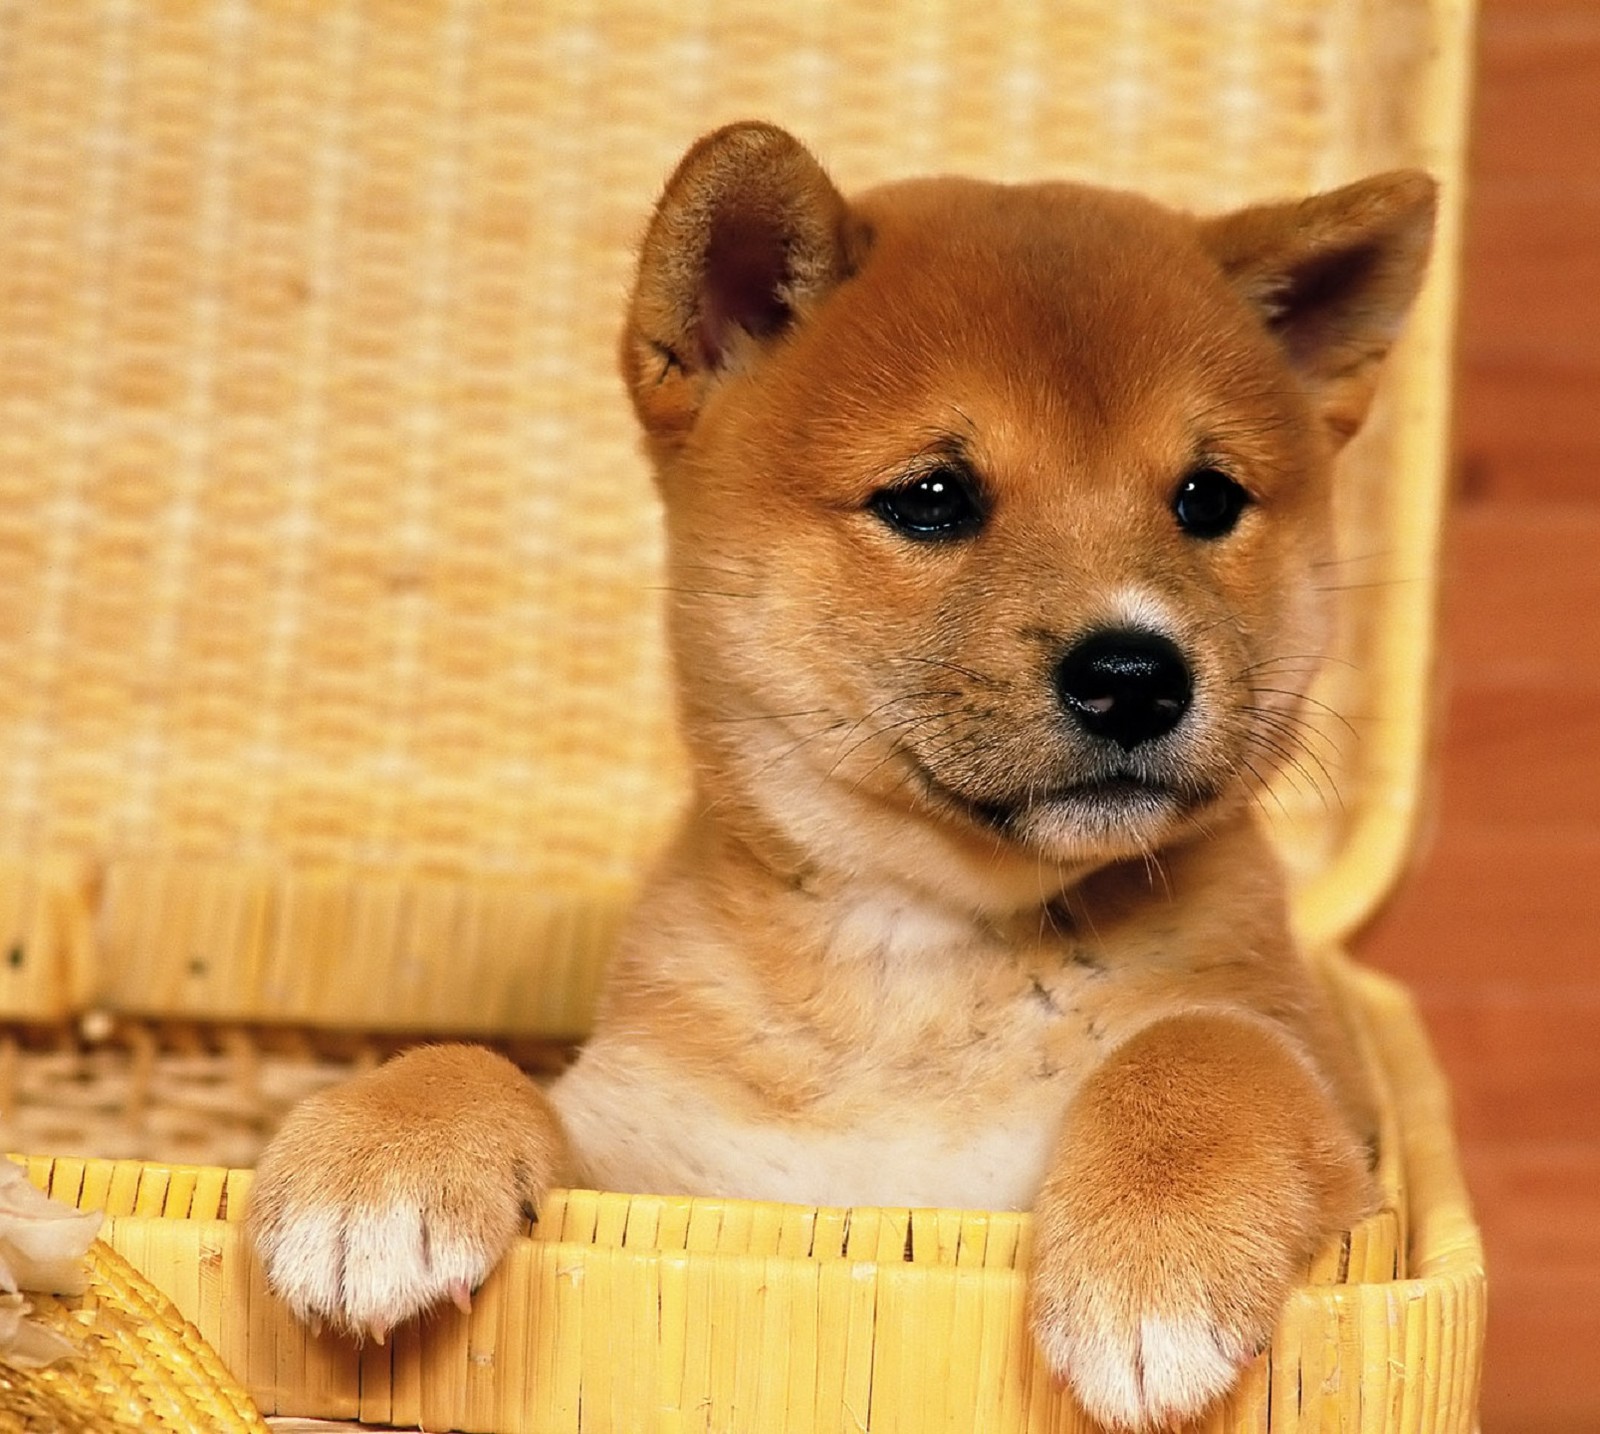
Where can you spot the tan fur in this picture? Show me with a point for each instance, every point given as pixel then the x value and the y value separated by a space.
pixel 896 954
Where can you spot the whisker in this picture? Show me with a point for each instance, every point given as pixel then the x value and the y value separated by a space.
pixel 1297 743
pixel 898 749
pixel 1353 558
pixel 1362 587
pixel 713 568
pixel 1153 867
pixel 958 738
pixel 907 697
pixel 879 732
pixel 962 734
pixel 803 741
pixel 785 754
pixel 1312 661
pixel 769 716
pixel 1317 657
pixel 1266 743
pixel 1228 617
pixel 698 592
pixel 1317 702
pixel 1293 728
pixel 1294 768
pixel 1262 788
pixel 953 667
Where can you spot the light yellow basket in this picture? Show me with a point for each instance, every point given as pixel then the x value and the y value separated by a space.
pixel 336 707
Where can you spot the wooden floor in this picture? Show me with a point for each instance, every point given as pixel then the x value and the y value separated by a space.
pixel 1499 926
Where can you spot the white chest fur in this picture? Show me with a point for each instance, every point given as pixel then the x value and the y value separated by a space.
pixel 941 1081
pixel 637 1129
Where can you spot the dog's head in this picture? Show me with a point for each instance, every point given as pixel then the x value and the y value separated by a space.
pixel 995 513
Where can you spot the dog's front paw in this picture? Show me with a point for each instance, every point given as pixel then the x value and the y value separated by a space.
pixel 1199 1169
pixel 402 1188
pixel 1146 1339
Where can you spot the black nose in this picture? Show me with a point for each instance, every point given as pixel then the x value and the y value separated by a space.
pixel 1127 686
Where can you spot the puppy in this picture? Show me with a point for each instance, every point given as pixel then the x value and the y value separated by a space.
pixel 992 513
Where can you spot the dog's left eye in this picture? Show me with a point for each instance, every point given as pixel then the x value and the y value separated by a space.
pixel 1208 503
pixel 939 505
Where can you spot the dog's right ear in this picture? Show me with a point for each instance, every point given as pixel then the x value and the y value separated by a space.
pixel 1332 277
pixel 748 233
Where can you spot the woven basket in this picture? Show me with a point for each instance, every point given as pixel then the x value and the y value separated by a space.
pixel 337 709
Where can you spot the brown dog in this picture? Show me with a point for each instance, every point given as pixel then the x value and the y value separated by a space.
pixel 992 512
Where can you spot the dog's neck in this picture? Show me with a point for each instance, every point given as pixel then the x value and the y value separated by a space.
pixel 834 843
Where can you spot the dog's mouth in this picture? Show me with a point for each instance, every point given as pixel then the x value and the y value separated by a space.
pixel 1098 804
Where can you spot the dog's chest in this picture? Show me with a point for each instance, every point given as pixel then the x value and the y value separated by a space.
pixel 935 1071
pixel 888 1157
pixel 959 1105
pixel 977 1015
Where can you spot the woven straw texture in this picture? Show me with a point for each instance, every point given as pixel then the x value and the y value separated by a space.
pixel 328 565
pixel 140 1365
pixel 637 1314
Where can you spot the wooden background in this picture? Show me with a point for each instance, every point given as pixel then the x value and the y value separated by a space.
pixel 1498 927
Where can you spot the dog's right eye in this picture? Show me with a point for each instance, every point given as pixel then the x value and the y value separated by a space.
pixel 1208 503
pixel 940 505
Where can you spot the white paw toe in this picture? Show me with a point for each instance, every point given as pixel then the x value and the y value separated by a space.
pixel 1164 1370
pixel 366 1270
pixel 1187 1365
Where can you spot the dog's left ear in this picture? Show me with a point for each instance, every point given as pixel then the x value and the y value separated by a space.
pixel 1332 278
pixel 748 232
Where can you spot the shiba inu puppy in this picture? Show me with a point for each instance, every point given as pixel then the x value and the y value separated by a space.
pixel 992 516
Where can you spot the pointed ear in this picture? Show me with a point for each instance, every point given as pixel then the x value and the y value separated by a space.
pixel 748 232
pixel 1332 278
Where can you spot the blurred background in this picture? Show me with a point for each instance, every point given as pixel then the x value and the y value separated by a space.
pixel 1498 928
